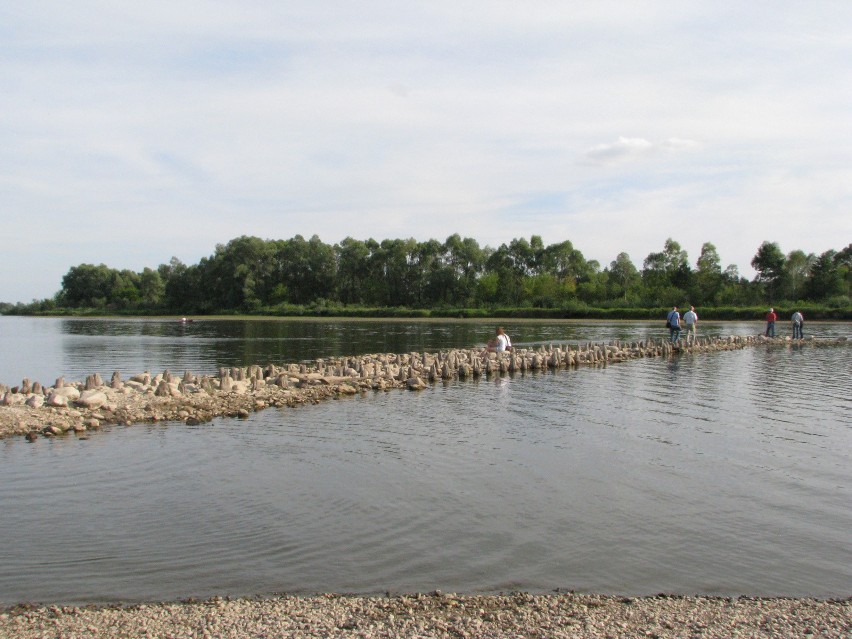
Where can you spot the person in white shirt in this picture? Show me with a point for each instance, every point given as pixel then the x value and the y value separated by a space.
pixel 503 341
pixel 499 343
pixel 798 325
pixel 690 319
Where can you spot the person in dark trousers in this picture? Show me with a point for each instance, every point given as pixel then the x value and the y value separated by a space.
pixel 673 322
pixel 798 325
pixel 771 318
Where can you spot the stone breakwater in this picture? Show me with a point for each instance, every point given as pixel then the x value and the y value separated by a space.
pixel 35 410
pixel 443 615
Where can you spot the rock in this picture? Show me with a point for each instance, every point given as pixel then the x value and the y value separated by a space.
pixel 10 399
pixel 416 383
pixel 163 389
pixel 35 401
pixel 92 399
pixel 69 392
pixel 143 379
pixel 56 400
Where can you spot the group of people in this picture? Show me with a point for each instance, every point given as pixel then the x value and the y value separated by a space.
pixel 797 319
pixel 674 322
pixel 690 320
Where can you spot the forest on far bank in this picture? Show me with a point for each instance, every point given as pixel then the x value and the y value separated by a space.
pixel 456 277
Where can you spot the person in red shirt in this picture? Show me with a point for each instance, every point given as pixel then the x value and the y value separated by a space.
pixel 771 318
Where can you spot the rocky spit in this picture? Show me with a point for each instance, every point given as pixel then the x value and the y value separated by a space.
pixel 35 410
pixel 66 408
pixel 438 615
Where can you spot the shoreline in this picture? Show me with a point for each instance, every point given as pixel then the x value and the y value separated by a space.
pixel 35 410
pixel 442 615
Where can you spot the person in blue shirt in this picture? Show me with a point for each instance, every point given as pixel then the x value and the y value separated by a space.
pixel 673 319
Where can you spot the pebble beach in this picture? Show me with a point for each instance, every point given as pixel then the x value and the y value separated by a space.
pixel 441 615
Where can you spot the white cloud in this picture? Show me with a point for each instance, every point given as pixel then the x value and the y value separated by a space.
pixel 624 149
pixel 630 149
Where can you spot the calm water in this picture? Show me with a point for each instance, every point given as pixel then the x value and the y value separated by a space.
pixel 728 473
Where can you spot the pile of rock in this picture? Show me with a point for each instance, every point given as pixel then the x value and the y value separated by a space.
pixel 34 410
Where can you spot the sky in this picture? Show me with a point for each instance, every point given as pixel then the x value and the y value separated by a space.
pixel 134 132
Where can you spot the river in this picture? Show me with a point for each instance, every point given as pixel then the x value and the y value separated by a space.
pixel 726 473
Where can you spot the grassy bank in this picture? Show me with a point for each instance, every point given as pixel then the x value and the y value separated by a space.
pixel 729 313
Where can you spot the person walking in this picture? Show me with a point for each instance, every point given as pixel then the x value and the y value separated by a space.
pixel 690 319
pixel 798 325
pixel 771 318
pixel 673 322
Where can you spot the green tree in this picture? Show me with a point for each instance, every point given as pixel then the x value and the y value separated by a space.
pixel 307 269
pixel 239 274
pixel 87 286
pixel 467 261
pixel 797 267
pixel 568 265
pixel 124 291
pixel 769 264
pixel 151 288
pixel 510 267
pixel 707 279
pixel 352 270
pixel 844 265
pixel 593 290
pixel 825 279
pixel 666 275
pixel 624 278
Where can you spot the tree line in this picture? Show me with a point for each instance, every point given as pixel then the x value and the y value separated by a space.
pixel 252 275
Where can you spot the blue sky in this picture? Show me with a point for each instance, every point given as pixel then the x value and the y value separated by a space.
pixel 132 132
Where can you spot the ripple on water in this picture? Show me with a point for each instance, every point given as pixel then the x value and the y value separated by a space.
pixel 722 474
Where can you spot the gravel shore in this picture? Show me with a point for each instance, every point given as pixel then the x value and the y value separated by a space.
pixel 442 615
